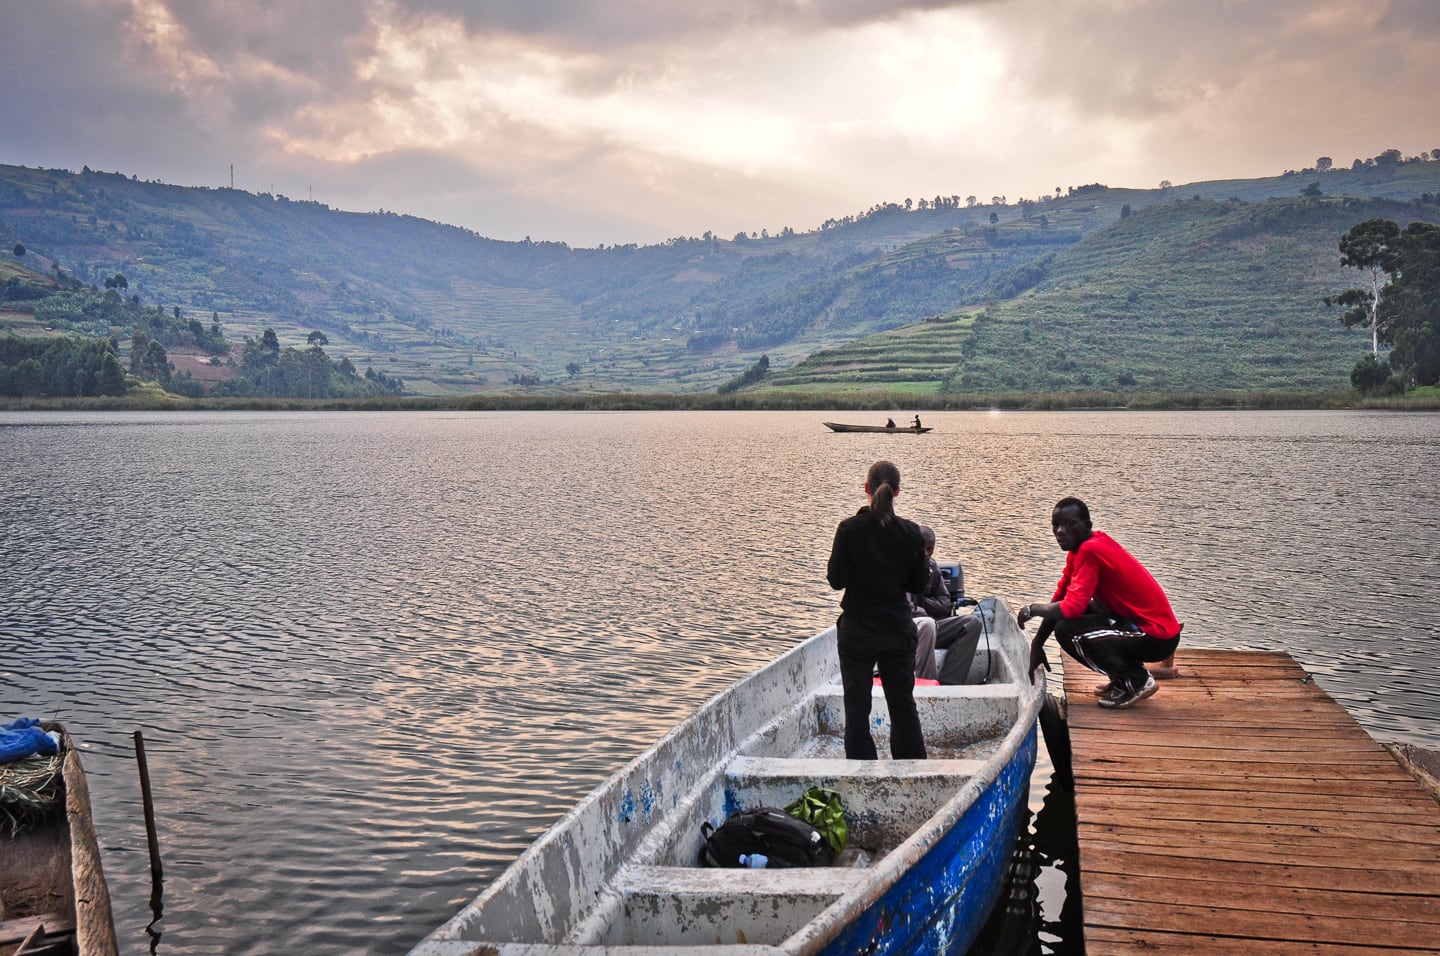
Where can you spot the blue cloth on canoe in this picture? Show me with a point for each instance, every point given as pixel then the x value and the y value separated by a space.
pixel 22 738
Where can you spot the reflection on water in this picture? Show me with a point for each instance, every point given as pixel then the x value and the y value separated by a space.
pixel 1039 909
pixel 375 655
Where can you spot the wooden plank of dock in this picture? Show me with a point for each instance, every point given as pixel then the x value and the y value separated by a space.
pixel 1242 810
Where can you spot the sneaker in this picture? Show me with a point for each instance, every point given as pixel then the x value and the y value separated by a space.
pixel 1111 692
pixel 1129 698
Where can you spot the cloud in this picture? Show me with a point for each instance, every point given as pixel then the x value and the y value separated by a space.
pixel 746 111
pixel 583 25
pixel 637 120
pixel 1238 89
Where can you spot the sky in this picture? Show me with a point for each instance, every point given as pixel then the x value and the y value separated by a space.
pixel 615 121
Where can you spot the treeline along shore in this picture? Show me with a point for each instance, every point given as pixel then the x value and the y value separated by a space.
pixel 879 403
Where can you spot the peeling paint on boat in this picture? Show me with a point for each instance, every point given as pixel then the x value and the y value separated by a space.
pixel 618 873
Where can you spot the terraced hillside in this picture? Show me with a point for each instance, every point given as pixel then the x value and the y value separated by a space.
pixel 914 359
pixel 1190 295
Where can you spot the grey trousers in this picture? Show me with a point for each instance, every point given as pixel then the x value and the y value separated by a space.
pixel 958 637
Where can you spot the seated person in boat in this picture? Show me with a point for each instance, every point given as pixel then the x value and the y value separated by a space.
pixel 889 423
pixel 1108 612
pixel 957 635
pixel 878 559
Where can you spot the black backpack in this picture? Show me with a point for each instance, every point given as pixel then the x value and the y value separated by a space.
pixel 785 840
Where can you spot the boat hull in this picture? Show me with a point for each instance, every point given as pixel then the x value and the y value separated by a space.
pixel 885 429
pixel 618 873
pixel 941 904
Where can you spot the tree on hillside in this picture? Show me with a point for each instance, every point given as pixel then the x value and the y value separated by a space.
pixel 153 363
pixel 1368 247
pixel 1323 164
pixel 1405 314
pixel 1370 374
pixel 269 346
pixel 1410 304
pixel 750 376
pixel 112 376
pixel 138 343
pixel 1389 159
pixel 59 367
pixel 19 249
pixel 267 369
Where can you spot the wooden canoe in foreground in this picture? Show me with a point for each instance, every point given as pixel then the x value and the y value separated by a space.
pixel 54 895
pixel 618 874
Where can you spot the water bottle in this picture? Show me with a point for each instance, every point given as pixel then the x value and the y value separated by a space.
pixel 754 861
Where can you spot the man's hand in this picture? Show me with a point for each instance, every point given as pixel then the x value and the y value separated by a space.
pixel 1023 616
pixel 1037 655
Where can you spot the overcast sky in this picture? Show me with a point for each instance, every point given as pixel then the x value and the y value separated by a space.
pixel 615 121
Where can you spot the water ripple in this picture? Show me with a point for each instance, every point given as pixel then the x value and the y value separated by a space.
pixel 375 655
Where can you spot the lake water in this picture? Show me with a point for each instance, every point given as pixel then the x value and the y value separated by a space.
pixel 374 655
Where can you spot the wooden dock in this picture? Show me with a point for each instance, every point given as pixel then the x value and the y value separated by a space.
pixel 1242 810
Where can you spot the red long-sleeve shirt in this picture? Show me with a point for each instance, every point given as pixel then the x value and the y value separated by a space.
pixel 1101 568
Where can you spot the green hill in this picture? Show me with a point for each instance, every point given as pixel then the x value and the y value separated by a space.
pixel 1188 295
pixel 928 294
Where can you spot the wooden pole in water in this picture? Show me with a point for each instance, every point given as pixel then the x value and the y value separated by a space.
pixel 157 874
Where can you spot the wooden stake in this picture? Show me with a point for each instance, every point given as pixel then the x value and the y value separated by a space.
pixel 157 874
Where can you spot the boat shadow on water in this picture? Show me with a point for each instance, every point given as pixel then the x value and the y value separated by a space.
pixel 1039 910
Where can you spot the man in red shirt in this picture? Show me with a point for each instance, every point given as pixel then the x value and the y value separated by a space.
pixel 1108 612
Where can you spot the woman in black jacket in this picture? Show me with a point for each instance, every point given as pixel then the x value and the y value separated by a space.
pixel 878 558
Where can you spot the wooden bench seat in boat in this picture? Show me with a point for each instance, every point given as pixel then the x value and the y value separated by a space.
pixel 709 902
pixel 952 716
pixel 695 905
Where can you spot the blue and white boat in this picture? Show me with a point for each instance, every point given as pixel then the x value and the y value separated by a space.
pixel 619 875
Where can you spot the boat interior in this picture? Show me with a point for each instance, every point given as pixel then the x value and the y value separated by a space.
pixel 622 869
pixel 662 896
pixel 34 908
pixel 37 902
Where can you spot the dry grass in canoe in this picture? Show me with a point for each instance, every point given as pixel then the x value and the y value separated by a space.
pixel 31 790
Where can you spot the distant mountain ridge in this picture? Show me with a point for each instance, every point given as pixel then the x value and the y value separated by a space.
pixel 968 287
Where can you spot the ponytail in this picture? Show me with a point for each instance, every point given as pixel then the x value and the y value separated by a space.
pixel 882 481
